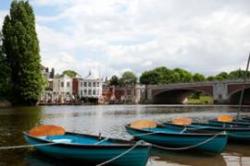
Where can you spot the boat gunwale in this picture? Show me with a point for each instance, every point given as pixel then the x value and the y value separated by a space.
pixel 245 123
pixel 213 127
pixel 179 134
pixel 124 143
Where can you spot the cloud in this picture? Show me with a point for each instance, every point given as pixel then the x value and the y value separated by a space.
pixel 113 36
pixel 3 13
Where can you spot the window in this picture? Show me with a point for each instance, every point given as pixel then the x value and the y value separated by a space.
pixel 97 84
pixel 94 92
pixel 94 84
pixel 81 92
pixel 129 92
pixel 85 84
pixel 89 92
pixel 89 84
pixel 68 84
pixel 62 84
pixel 85 92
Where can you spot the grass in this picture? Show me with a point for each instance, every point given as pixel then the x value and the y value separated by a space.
pixel 200 100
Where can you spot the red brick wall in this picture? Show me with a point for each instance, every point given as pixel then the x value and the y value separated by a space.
pixel 75 86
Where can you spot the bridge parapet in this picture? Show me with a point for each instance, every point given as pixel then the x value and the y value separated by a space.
pixel 220 90
pixel 202 83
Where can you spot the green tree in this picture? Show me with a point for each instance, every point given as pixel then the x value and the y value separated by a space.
pixel 70 73
pixel 128 78
pixel 222 76
pixel 185 76
pixel 114 80
pixel 4 73
pixel 149 77
pixel 21 46
pixel 238 74
pixel 198 77
pixel 210 78
pixel 165 75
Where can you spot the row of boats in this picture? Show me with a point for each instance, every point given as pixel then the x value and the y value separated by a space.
pixel 181 134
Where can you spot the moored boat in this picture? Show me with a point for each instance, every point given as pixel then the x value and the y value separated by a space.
pixel 234 133
pixel 90 149
pixel 170 139
pixel 234 123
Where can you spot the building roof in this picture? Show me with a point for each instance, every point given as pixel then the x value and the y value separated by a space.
pixel 91 76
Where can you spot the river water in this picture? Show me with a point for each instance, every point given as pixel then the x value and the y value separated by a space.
pixel 110 120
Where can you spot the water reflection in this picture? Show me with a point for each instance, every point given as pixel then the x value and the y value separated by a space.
pixel 12 122
pixel 163 158
pixel 110 121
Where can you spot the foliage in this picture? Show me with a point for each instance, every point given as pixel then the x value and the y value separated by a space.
pixel 185 76
pixel 114 80
pixel 149 77
pixel 238 74
pixel 128 78
pixel 70 73
pixel 4 73
pixel 198 77
pixel 221 76
pixel 163 75
pixel 21 46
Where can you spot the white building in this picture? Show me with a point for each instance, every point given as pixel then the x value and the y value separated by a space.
pixel 90 87
pixel 62 88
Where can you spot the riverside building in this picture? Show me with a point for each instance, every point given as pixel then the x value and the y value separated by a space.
pixel 90 87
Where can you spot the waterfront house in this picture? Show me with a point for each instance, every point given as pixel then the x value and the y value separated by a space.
pixel 90 88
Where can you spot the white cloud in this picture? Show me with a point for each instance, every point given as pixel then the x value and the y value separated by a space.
pixel 3 13
pixel 112 36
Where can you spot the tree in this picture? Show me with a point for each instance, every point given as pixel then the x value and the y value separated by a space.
pixel 114 80
pixel 4 73
pixel 221 76
pixel 128 78
pixel 165 74
pixel 149 77
pixel 70 73
pixel 21 46
pixel 198 77
pixel 185 76
pixel 210 78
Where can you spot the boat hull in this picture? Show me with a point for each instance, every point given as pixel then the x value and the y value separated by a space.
pixel 94 154
pixel 235 123
pixel 179 140
pixel 234 133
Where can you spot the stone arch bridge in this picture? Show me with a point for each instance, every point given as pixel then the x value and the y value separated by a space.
pixel 223 92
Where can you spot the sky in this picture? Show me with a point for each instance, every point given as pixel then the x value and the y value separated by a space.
pixel 109 37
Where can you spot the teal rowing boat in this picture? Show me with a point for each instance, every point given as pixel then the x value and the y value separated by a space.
pixel 169 139
pixel 234 133
pixel 91 149
pixel 234 123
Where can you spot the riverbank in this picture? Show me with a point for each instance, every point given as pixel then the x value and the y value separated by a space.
pixel 4 104
pixel 201 100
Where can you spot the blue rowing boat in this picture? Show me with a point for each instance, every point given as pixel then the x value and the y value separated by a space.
pixel 234 123
pixel 91 149
pixel 172 139
pixel 240 133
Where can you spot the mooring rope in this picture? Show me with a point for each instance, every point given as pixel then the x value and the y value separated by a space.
pixel 26 146
pixel 187 147
pixel 105 139
pixel 120 155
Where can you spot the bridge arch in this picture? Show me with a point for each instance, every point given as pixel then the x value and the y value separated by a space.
pixel 176 95
pixel 234 96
